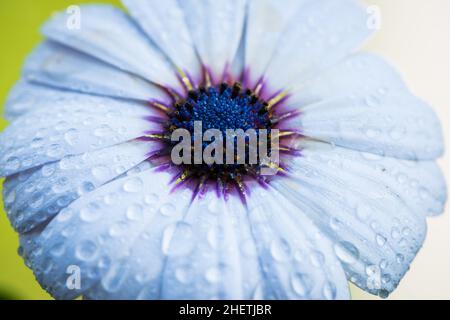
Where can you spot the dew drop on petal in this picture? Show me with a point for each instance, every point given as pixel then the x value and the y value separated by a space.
pixel 72 137
pixel 168 210
pixel 280 250
pixel 90 213
pixel 86 250
pixel 346 252
pixel 301 284
pixel 133 185
pixel 317 259
pixel 329 291
pixel 12 163
pixel 182 274
pixel 380 239
pixel 135 212
pixel 101 173
pixel 213 275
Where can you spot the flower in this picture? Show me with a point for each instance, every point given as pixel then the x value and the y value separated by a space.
pixel 103 213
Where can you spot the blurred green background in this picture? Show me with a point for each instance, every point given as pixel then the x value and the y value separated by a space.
pixel 20 21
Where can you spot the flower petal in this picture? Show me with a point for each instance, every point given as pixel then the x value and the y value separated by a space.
pixel 34 196
pixel 61 67
pixel 70 127
pixel 223 263
pixel 359 74
pixel 266 22
pixel 216 28
pixel 163 22
pixel 106 233
pixel 376 232
pixel 115 39
pixel 394 124
pixel 319 35
pixel 298 261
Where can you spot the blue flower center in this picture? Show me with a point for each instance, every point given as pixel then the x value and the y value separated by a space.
pixel 224 107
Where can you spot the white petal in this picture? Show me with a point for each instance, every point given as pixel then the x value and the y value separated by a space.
pixel 109 35
pixel 26 96
pixel 420 185
pixel 395 124
pixel 267 20
pixel 106 233
pixel 376 233
pixel 223 264
pixel 164 22
pixel 359 74
pixel 216 28
pixel 70 127
pixel 42 192
pixel 297 259
pixel 319 35
pixel 61 67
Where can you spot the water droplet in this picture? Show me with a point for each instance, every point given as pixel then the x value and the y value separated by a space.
pixel 151 198
pixel 133 185
pixel 58 249
pixel 383 264
pixel 380 239
pixel 395 233
pixel 91 212
pixel 86 187
pixel 386 278
pixel 399 258
pixel 72 137
pixel 48 170
pixel 10 197
pixel 317 259
pixel 168 210
pixel 372 101
pixel 346 252
pixel 86 250
pixel 12 164
pixel 329 291
pixel 103 131
pixel 183 275
pixel 406 231
pixel 213 275
pixel 280 250
pixel 118 229
pixel 37 199
pixel 54 151
pixel 37 143
pixel 301 284
pixel 135 212
pixel 114 278
pixel 101 173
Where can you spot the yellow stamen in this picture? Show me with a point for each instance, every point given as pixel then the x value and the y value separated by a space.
pixel 182 178
pixel 277 99
pixel 156 136
pixel 161 107
pixel 185 79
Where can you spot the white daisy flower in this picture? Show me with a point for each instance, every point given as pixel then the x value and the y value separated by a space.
pixel 90 187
